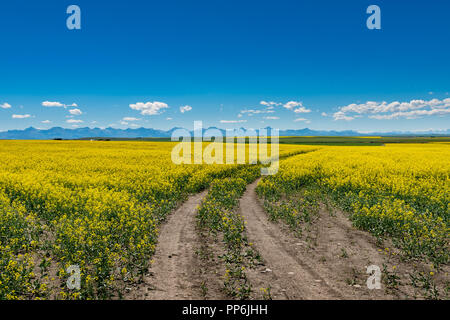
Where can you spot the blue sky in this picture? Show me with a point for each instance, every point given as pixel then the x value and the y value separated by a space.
pixel 312 63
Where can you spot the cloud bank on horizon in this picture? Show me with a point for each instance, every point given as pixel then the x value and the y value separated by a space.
pixel 267 111
pixel 387 111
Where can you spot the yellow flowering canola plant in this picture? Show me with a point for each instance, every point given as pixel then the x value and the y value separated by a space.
pixel 397 191
pixel 94 204
pixel 98 205
pixel 217 215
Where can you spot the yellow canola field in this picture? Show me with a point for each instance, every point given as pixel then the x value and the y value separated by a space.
pixel 399 190
pixel 96 205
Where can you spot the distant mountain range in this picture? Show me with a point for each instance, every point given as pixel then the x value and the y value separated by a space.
pixel 63 133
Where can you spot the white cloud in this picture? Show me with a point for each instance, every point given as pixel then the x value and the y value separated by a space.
pixel 168 118
pixel 233 121
pixel 324 114
pixel 296 106
pixel 21 116
pixel 184 109
pixel 271 118
pixel 301 119
pixel 46 121
pixel 410 114
pixel 75 112
pixel 252 111
pixel 124 123
pixel 57 104
pixel 52 104
pixel 302 110
pixel 392 110
pixel 149 108
pixel 292 104
pixel 74 121
pixel 130 119
pixel 341 116
pixel 270 104
pixel 5 105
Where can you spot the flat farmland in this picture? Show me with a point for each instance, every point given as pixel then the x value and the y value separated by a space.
pixel 137 226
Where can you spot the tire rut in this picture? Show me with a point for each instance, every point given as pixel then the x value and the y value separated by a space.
pixel 330 263
pixel 174 263
pixel 289 276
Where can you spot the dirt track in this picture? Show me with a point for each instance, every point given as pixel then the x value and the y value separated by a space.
pixel 315 267
pixel 328 262
pixel 285 272
pixel 174 263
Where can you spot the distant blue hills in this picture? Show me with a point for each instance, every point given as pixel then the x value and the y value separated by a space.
pixel 79 133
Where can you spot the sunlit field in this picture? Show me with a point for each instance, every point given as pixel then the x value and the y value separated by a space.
pixel 94 204
pixel 399 191
pixel 99 205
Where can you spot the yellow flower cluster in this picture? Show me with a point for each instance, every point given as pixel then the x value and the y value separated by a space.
pixel 401 191
pixel 95 204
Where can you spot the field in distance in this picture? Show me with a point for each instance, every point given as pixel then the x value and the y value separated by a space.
pixel 322 140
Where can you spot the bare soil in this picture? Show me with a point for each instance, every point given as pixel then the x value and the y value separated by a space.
pixel 173 273
pixel 328 262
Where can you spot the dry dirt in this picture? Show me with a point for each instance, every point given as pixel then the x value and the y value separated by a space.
pixel 172 273
pixel 328 262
